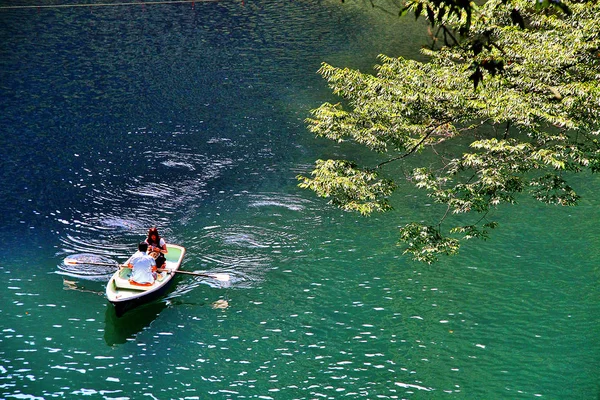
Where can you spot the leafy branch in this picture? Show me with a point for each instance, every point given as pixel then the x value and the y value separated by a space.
pixel 528 70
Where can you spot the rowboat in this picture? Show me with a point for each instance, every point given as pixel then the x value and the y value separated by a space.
pixel 125 295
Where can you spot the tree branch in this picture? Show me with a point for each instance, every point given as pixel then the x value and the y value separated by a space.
pixel 415 147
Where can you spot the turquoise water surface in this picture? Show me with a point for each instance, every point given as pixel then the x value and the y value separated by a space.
pixel 190 117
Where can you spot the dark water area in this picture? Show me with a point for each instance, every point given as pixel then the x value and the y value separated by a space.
pixel 191 117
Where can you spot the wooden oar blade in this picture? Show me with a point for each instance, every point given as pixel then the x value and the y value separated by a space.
pixel 220 277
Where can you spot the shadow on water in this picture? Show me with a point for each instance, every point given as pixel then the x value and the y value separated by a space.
pixel 119 330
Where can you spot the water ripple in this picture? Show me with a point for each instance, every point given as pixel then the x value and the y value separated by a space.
pixel 119 208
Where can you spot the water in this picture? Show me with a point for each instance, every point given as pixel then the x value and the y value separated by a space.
pixel 190 117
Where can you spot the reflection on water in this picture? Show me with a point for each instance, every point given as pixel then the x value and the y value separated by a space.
pixel 119 330
pixel 73 284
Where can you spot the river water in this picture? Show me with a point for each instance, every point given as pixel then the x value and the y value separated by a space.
pixel 190 117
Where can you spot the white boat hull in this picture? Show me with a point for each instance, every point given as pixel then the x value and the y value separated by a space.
pixel 125 296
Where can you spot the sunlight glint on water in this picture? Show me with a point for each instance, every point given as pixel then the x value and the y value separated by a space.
pixel 192 118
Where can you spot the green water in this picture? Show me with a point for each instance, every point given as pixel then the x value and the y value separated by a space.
pixel 321 303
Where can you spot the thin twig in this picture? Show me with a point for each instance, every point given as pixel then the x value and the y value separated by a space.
pixel 415 147
pixel 507 129
pixel 448 32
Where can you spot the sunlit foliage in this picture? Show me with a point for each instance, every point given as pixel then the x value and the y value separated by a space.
pixel 515 82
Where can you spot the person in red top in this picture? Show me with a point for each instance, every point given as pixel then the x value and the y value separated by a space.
pixel 157 247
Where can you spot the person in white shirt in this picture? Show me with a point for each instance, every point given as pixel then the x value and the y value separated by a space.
pixel 142 266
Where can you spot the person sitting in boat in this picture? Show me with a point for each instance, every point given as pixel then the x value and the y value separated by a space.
pixel 143 266
pixel 157 246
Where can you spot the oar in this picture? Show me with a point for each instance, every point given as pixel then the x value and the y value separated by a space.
pixel 219 277
pixel 71 261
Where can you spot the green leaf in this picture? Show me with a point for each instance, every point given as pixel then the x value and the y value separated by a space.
pixel 425 243
pixel 349 187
